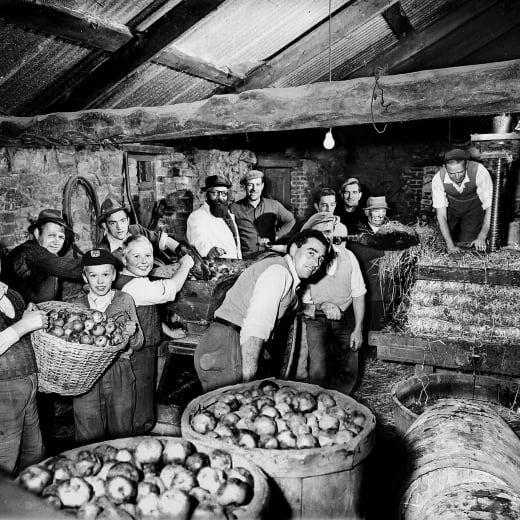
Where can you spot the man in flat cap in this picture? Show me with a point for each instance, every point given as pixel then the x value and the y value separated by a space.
pixel 349 209
pixel 35 268
pixel 261 221
pixel 212 229
pixel 114 218
pixel 325 201
pixel 334 313
pixel 461 196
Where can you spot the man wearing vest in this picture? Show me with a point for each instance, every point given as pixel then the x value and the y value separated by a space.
pixel 231 350
pixel 461 196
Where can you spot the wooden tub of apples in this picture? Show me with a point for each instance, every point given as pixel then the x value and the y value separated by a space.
pixel 150 477
pixel 311 442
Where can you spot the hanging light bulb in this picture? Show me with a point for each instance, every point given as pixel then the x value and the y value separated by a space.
pixel 328 142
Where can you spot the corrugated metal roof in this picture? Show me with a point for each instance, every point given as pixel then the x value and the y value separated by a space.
pixel 422 13
pixel 155 85
pixel 29 63
pixel 249 31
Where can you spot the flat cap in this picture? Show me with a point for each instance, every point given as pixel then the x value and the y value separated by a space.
pixel 320 218
pixel 250 175
pixel 457 154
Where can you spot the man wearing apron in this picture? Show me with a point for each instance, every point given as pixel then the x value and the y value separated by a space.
pixel 461 196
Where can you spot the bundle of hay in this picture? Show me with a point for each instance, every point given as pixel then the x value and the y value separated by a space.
pixel 468 311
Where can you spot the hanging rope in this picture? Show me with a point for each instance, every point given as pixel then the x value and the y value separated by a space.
pixel 383 104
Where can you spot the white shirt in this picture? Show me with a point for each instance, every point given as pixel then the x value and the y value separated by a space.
pixel 271 286
pixel 205 231
pixel 147 292
pixel 484 188
pixel 100 303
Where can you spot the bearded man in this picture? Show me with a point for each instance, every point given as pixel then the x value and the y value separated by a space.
pixel 212 229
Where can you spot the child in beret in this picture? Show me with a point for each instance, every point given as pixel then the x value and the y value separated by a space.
pixel 106 410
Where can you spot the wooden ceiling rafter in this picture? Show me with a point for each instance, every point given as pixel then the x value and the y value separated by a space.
pixel 441 42
pixel 467 91
pixel 345 20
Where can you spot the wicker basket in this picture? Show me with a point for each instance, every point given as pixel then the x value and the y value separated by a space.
pixel 68 368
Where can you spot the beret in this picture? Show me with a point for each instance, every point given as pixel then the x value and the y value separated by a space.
pixel 98 257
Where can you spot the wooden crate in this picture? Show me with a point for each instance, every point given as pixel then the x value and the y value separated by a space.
pixel 432 353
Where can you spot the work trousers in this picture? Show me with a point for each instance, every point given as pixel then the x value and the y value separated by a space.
pixel 465 218
pixel 20 438
pixel 107 409
pixel 218 357
pixel 143 366
pixel 332 363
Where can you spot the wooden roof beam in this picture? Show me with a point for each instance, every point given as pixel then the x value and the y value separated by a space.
pixel 446 41
pixel 474 90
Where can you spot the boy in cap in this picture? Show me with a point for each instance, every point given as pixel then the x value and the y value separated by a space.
pixel 147 295
pixel 334 310
pixel 461 196
pixel 107 409
pixel 211 229
pixel 35 268
pixel 261 221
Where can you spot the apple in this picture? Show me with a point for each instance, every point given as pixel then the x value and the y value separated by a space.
pixel 177 451
pixel 116 339
pixel 358 418
pixel 146 488
pixel 230 400
pixel 125 469
pixel 328 422
pixel 234 492
pixel 124 455
pixel 64 469
pixel 67 332
pixel 344 437
pixel 85 339
pixel 337 411
pixel 306 440
pixel 77 325
pixel 59 322
pixel 184 479
pixel 57 330
pixel 52 461
pixel 220 409
pixel 156 481
pixel 201 494
pixel 327 438
pixel 262 401
pixel 110 325
pixel 281 424
pixel 223 430
pixel 87 463
pixel 97 484
pixel 101 341
pixel 264 425
pixel 103 472
pixel 148 451
pixel 211 478
pixel 293 418
pixel 74 337
pixel 74 492
pixel 286 439
pixel 244 397
pixel 230 419
pixel 203 422
pixel 98 330
pixel 270 411
pixel 98 316
pixel 248 411
pixel 148 506
pixel 35 478
pixel 268 442
pixel 168 473
pixel 304 402
pixel 196 461
pixel 131 509
pixel 284 395
pixel 245 424
pixel 209 511
pixel 268 387
pixel 53 315
pixel 300 429
pixel 88 324
pixel 120 489
pixel 176 504
pixel 247 439
pixel 53 501
pixel 220 459
pixel 325 400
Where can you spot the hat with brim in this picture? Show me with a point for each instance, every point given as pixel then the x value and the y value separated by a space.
pixel 49 215
pixel 250 175
pixel 98 257
pixel 216 181
pixel 457 154
pixel 322 217
pixel 376 203
pixel 110 206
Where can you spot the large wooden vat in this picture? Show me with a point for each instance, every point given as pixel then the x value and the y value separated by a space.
pixel 428 388
pixel 459 442
pixel 256 509
pixel 316 483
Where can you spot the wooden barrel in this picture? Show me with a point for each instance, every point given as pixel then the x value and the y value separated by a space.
pixel 308 483
pixel 421 389
pixel 459 442
pixel 255 510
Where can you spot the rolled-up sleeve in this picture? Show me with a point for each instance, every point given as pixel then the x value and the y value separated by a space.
pixel 357 283
pixel 8 337
pixel 271 286
pixel 147 292
pixel 439 199
pixel 484 186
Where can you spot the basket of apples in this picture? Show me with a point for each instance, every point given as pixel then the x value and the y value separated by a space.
pixel 150 477
pixel 76 348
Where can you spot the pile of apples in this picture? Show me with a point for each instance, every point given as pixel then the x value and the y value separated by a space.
pixel 89 327
pixel 274 417
pixel 158 479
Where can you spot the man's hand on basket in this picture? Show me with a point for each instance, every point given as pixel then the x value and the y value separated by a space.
pixel 32 319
